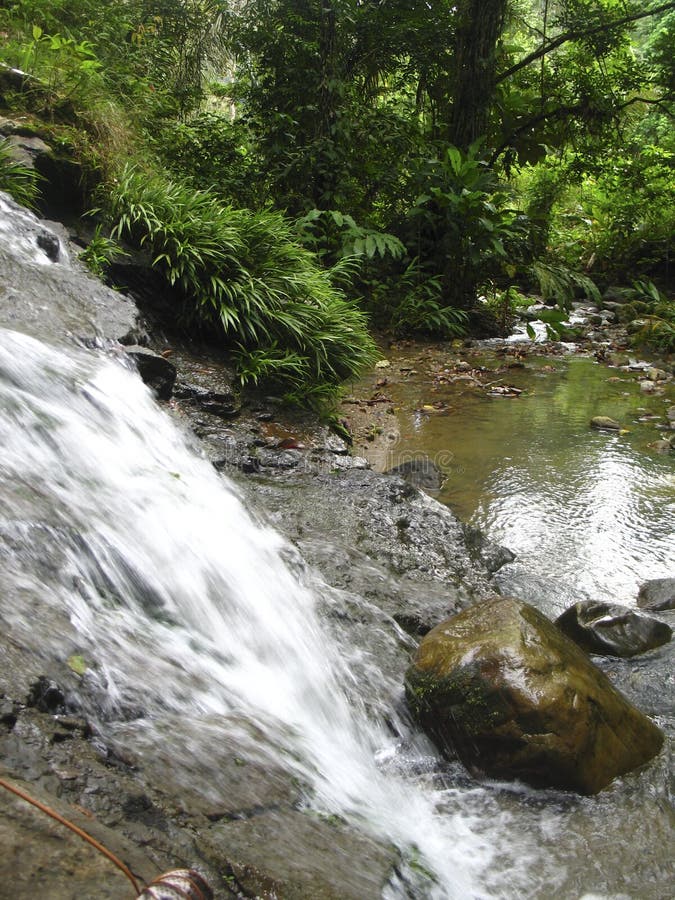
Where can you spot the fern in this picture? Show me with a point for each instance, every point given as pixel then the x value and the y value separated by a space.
pixel 559 284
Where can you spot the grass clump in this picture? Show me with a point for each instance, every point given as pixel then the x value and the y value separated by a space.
pixel 21 182
pixel 244 278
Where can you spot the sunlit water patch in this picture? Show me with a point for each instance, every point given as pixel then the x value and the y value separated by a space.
pixel 590 514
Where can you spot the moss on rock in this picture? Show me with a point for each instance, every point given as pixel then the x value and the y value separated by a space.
pixel 504 689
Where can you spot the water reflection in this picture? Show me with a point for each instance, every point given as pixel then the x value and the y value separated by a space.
pixel 589 514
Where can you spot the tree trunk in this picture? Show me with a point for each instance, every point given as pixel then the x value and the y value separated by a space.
pixel 479 25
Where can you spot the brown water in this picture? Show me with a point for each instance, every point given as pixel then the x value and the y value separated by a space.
pixel 588 513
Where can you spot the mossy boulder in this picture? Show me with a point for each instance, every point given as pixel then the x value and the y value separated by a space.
pixel 503 688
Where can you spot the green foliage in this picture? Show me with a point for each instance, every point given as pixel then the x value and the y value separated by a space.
pixel 503 305
pixel 650 316
pixel 244 277
pixel 561 285
pixel 343 114
pixel 553 319
pixel 460 225
pixel 657 332
pixel 317 85
pixel 64 69
pixel 412 302
pixel 100 253
pixel 647 292
pixel 633 212
pixel 215 153
pixel 22 182
pixel 332 234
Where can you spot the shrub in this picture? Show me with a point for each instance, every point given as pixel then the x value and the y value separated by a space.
pixel 650 317
pixel 412 302
pixel 459 226
pixel 244 278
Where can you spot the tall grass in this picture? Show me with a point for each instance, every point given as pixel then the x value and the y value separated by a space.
pixel 244 277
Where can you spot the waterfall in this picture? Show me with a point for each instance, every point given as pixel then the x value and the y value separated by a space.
pixel 121 545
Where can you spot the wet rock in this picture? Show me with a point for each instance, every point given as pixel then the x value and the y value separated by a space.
pixel 54 301
pixel 156 371
pixel 670 413
pixel 507 691
pixel 422 472
pixel 336 862
pixel 491 555
pixel 333 443
pixel 46 696
pixel 605 423
pixel 50 243
pixel 222 403
pixel 657 594
pixel 612 630
pixel 648 681
pixel 654 374
pixel 616 295
pixel 279 459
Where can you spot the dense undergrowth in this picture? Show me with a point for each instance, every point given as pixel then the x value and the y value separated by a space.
pixel 296 173
pixel 243 276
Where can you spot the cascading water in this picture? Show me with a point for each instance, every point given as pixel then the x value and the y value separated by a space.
pixel 203 636
pixel 120 544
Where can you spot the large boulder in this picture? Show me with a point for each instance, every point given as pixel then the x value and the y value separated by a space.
pixel 609 629
pixel 502 687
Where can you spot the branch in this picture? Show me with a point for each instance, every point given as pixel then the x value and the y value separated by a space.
pixel 572 35
pixel 78 831
pixel 660 102
pixel 557 113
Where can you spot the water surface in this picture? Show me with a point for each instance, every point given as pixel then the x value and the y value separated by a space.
pixel 590 514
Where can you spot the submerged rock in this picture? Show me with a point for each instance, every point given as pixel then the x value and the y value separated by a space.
pixel 489 554
pixel 657 594
pixel 507 691
pixel 611 629
pixel 606 423
pixel 422 472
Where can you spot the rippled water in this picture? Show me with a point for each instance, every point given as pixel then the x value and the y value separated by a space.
pixel 590 514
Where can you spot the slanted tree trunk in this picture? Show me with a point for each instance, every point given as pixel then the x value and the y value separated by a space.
pixel 479 25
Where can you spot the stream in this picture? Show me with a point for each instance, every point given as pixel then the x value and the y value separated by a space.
pixel 197 643
pixel 589 514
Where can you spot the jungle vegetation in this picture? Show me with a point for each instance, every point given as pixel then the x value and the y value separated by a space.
pixel 303 170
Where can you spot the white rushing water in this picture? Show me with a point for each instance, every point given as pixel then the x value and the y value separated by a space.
pixel 121 544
